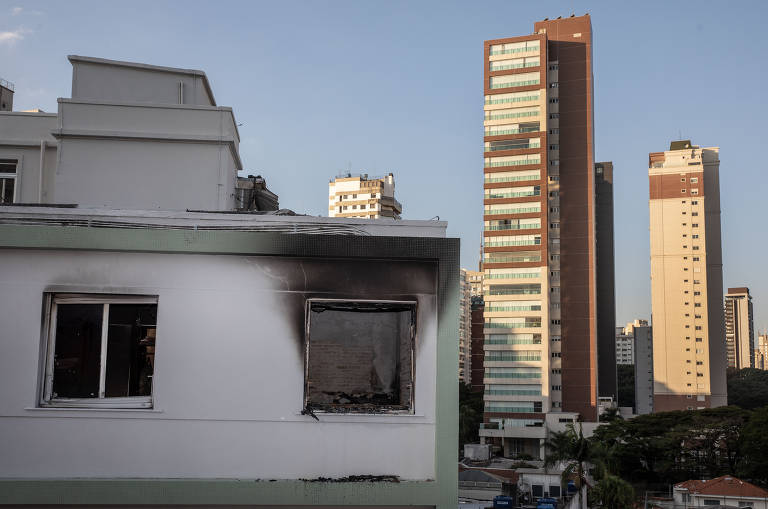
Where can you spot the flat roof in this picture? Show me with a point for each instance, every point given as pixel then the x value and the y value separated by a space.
pixel 215 220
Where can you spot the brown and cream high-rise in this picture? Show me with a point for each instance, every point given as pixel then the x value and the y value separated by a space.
pixel 541 350
pixel 686 278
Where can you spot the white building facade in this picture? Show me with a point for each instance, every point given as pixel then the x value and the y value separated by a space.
pixel 154 355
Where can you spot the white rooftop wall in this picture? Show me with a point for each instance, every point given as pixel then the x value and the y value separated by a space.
pixel 98 79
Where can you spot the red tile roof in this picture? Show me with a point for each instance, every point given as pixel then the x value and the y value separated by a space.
pixel 724 486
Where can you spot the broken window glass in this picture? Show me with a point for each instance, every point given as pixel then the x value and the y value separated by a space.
pixel 360 356
pixel 103 350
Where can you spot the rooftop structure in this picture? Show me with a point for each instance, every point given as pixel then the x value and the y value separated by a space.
pixel 131 136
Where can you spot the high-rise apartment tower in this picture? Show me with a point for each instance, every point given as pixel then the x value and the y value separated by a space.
pixel 540 263
pixel 686 278
pixel 739 330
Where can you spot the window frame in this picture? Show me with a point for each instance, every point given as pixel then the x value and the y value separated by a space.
pixel 15 176
pixel 52 300
pixel 411 410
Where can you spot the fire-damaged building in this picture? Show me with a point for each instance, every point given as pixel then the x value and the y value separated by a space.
pixel 166 345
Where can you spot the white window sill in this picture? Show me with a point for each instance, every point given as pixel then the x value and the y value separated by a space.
pixel 91 409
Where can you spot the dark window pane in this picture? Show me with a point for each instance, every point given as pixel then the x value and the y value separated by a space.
pixel 8 165
pixel 78 351
pixel 360 357
pixel 130 350
pixel 6 190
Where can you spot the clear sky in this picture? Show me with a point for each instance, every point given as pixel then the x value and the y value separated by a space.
pixel 322 86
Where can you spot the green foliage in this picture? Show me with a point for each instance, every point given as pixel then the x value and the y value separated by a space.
pixel 470 415
pixel 612 493
pixel 625 381
pixel 754 438
pixel 610 415
pixel 748 388
pixel 670 447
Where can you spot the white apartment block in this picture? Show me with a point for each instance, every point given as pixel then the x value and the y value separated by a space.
pixel 625 347
pixel 155 356
pixel 363 196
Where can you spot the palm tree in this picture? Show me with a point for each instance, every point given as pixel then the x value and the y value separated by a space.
pixel 571 448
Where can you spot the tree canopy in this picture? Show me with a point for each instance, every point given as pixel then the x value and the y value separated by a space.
pixel 748 388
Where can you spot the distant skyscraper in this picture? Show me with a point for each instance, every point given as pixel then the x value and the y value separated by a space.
pixel 739 331
pixel 606 298
pixel 465 328
pixel 478 344
pixel 475 278
pixel 634 345
pixel 540 247
pixel 686 278
pixel 363 196
pixel 761 355
pixel 625 347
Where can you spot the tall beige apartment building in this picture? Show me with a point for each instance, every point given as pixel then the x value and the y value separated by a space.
pixel 686 278
pixel 363 196
pixel 739 329
pixel 540 259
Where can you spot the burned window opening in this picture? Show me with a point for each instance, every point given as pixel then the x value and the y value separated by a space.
pixel 359 356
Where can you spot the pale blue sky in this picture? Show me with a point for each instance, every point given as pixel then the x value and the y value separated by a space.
pixel 397 86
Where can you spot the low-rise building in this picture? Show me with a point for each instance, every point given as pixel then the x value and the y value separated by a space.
pixel 723 491
pixel 154 355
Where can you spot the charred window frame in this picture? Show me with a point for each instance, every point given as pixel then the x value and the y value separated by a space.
pixel 100 350
pixel 372 346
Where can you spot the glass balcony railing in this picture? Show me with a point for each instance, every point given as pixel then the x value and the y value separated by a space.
pixel 526 210
pixel 501 132
pixel 514 291
pixel 514 275
pixel 508 243
pixel 493 309
pixel 513 259
pixel 522 194
pixel 513 375
pixel 510 100
pixel 512 341
pixel 505 356
pixel 499 228
pixel 522 178
pixel 521 146
pixel 510 410
pixel 511 51
pixel 495 86
pixel 513 325
pixel 503 116
pixel 506 67
pixel 513 162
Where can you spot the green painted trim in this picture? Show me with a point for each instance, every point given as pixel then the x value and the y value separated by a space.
pixel 215 492
pixel 442 492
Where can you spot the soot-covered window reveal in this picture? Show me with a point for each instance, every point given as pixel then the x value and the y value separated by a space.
pixel 360 356
pixel 101 351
